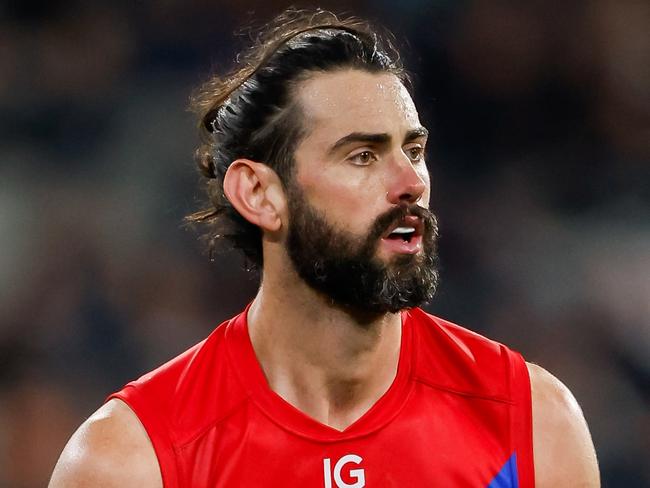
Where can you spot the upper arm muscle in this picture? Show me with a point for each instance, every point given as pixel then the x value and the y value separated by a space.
pixel 110 449
pixel 563 449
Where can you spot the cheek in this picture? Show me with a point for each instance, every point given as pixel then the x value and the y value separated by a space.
pixel 347 200
pixel 426 177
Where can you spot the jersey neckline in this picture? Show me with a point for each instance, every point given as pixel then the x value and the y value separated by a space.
pixel 249 371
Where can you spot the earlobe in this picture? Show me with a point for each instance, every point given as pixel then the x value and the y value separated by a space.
pixel 255 191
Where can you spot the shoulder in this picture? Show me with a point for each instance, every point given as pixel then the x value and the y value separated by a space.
pixel 443 332
pixel 110 449
pixel 563 450
pixel 452 357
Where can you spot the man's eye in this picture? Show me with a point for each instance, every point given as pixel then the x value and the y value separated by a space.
pixel 415 153
pixel 363 158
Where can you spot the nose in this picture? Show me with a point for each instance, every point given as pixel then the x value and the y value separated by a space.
pixel 407 185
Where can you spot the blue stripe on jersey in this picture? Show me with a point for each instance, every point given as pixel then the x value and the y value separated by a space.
pixel 507 477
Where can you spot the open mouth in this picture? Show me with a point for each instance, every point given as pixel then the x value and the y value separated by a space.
pixel 406 229
pixel 404 233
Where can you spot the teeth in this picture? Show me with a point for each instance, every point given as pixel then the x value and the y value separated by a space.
pixel 403 230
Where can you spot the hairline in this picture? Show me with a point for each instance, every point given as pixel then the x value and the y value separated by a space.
pixel 296 103
pixel 301 125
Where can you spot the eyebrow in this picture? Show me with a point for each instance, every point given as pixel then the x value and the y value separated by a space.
pixel 380 138
pixel 416 133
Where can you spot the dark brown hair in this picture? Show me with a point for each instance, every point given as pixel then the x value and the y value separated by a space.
pixel 251 114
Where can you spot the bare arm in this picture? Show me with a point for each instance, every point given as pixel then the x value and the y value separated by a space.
pixel 110 449
pixel 564 451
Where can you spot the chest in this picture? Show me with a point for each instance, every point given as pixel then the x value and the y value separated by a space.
pixel 438 439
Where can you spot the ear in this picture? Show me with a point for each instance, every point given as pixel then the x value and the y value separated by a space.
pixel 256 192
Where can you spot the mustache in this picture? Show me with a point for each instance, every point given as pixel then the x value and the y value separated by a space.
pixel 396 214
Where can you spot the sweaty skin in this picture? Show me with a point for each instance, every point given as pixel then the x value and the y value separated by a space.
pixel 337 370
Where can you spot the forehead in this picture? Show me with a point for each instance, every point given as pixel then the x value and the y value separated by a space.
pixel 341 102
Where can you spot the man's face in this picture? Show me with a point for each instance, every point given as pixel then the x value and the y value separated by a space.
pixel 360 231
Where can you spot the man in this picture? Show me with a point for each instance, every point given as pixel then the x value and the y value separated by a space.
pixel 332 377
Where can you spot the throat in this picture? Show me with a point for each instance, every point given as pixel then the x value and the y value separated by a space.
pixel 337 396
pixel 320 361
pixel 336 405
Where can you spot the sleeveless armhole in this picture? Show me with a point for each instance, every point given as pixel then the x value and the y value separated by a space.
pixel 157 430
pixel 521 419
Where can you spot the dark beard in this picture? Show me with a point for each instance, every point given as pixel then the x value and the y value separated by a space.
pixel 344 267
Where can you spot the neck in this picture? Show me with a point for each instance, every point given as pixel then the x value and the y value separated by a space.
pixel 328 362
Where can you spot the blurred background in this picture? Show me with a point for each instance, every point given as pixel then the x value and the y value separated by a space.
pixel 540 165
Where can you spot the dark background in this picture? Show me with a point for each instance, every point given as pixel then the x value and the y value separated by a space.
pixel 540 165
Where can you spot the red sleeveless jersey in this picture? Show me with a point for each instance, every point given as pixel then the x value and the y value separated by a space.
pixel 458 414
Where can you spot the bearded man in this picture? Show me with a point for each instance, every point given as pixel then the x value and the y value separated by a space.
pixel 314 159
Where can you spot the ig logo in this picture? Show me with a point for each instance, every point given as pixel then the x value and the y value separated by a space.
pixel 356 474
